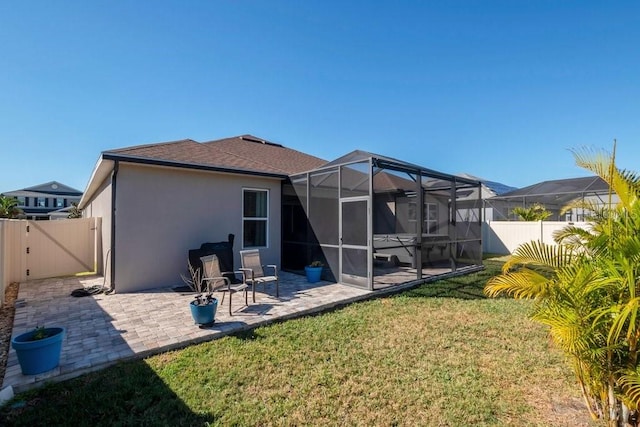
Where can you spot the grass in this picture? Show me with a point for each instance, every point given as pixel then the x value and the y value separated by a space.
pixel 441 354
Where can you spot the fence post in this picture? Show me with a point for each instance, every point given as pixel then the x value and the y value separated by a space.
pixel 97 242
pixel 542 231
pixel 3 272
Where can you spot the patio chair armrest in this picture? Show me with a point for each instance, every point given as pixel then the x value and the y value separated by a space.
pixel 215 280
pixel 240 272
pixel 275 268
pixel 247 272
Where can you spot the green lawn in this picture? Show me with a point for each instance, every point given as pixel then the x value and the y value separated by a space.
pixel 440 355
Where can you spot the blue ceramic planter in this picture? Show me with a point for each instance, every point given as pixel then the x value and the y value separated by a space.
pixel 36 357
pixel 313 274
pixel 204 314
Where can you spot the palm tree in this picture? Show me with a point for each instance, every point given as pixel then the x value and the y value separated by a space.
pixel 9 207
pixel 535 212
pixel 587 291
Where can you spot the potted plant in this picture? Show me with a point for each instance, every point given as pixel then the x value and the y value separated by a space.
pixel 313 271
pixel 204 305
pixel 39 350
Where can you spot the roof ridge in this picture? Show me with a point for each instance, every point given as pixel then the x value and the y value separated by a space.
pixel 253 160
pixel 153 144
pixel 254 139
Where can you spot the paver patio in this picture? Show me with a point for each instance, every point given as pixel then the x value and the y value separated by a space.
pixel 102 329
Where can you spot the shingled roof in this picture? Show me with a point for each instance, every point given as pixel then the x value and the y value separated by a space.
pixel 245 153
pixel 558 192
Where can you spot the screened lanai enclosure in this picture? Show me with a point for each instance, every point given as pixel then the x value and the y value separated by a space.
pixel 374 221
pixel 554 195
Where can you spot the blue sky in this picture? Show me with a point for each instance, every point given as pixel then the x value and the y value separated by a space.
pixel 497 89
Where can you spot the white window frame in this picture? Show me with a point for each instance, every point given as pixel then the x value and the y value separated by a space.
pixel 265 219
pixel 430 207
pixel 426 208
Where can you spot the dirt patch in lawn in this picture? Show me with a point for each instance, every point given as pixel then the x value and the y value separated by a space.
pixel 7 312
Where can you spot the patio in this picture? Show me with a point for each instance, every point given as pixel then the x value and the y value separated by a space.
pixel 103 329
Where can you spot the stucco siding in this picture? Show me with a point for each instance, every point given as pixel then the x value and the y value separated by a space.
pixel 100 206
pixel 163 212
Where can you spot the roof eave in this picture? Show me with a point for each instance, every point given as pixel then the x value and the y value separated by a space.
pixel 106 161
pixel 100 172
pixel 184 165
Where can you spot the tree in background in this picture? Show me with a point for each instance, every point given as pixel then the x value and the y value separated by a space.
pixel 74 212
pixel 587 291
pixel 9 207
pixel 535 212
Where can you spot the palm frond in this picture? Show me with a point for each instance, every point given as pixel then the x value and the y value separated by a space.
pixel 572 236
pixel 538 253
pixel 598 161
pixel 524 283
pixel 629 381
pixel 584 204
pixel 625 317
pixel 627 191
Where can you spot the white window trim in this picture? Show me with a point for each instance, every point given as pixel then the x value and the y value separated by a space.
pixel 265 219
pixel 431 207
pixel 427 206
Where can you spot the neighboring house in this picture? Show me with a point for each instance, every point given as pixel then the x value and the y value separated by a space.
pixel 554 195
pixel 39 201
pixel 488 190
pixel 158 201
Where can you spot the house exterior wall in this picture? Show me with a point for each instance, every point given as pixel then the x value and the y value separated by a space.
pixel 100 206
pixel 163 212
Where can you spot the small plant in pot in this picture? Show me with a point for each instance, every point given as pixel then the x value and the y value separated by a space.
pixel 39 350
pixel 204 305
pixel 314 271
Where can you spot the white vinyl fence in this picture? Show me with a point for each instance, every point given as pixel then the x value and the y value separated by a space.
pixel 32 250
pixel 503 237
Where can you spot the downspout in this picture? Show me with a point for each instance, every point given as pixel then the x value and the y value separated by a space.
pixel 112 259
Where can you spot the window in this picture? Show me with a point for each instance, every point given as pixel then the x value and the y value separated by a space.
pixel 22 201
pixel 255 218
pixel 430 217
pixel 59 202
pixel 41 202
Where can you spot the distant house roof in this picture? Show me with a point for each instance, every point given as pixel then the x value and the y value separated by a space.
pixel 558 191
pixel 497 188
pixel 48 189
pixel 245 153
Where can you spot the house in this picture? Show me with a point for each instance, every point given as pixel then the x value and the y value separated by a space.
pixel 488 190
pixel 158 201
pixel 39 201
pixel 554 195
